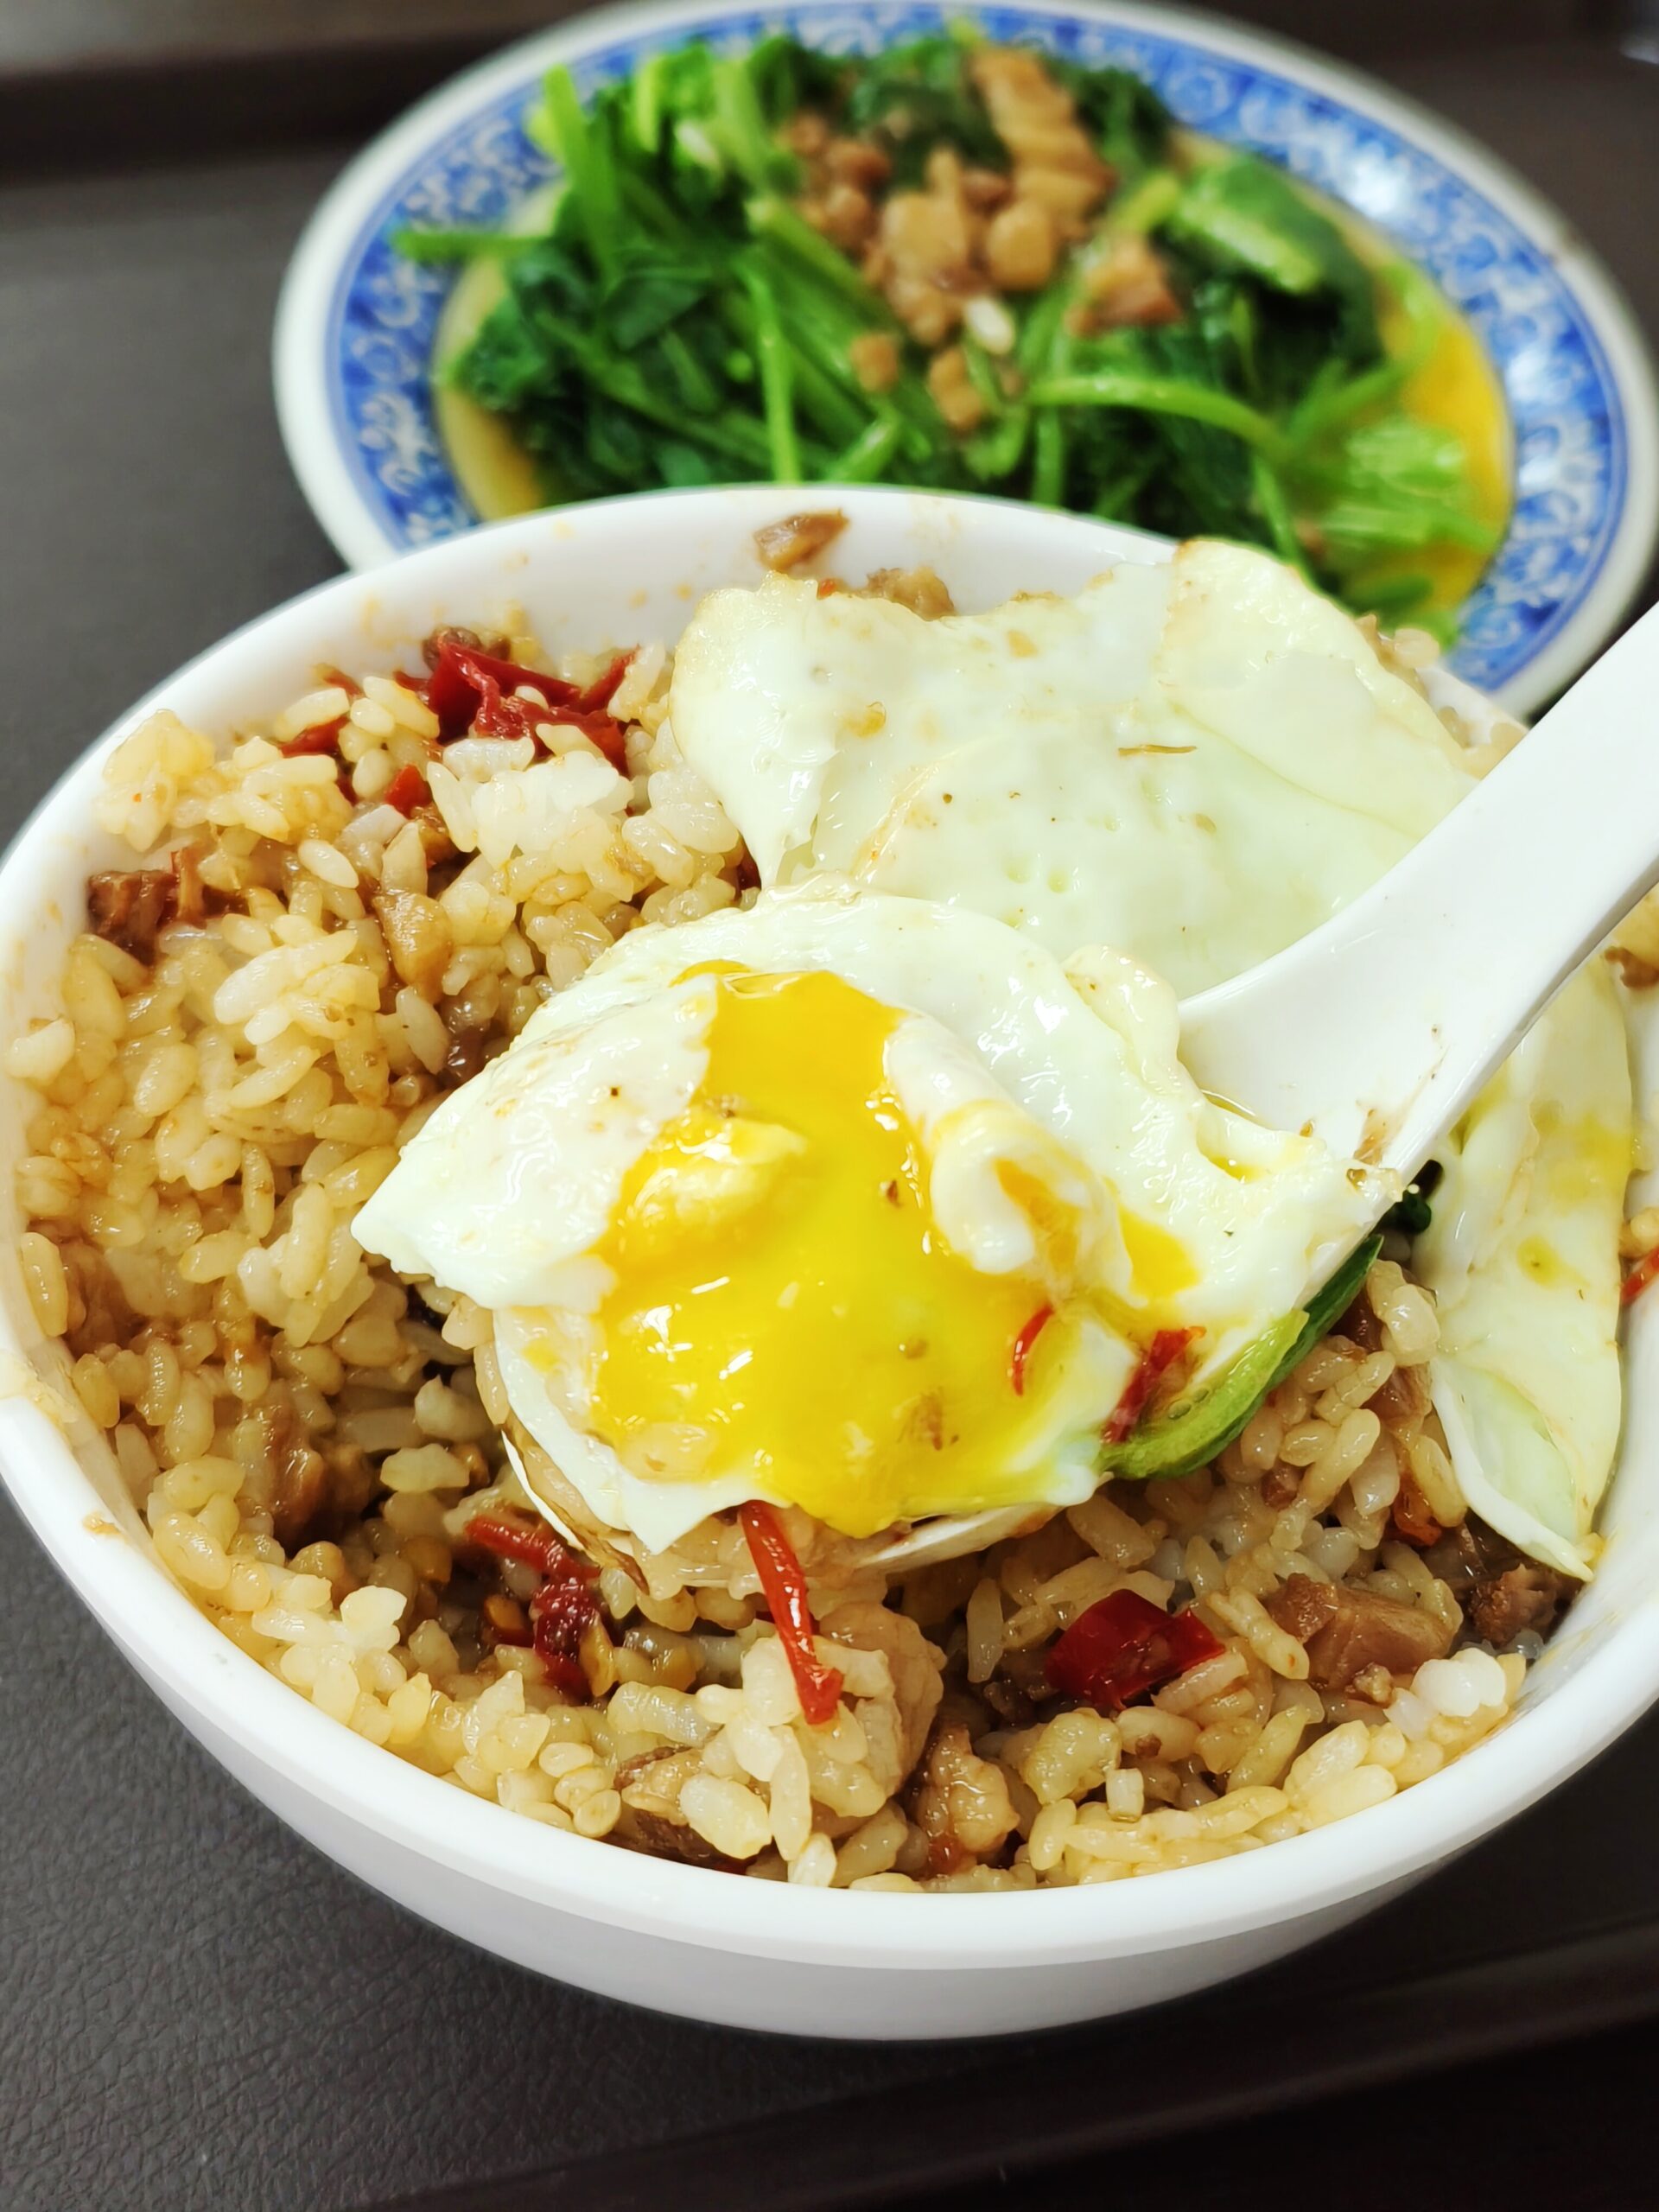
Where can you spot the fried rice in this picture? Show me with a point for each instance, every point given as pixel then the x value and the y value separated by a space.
pixel 349 921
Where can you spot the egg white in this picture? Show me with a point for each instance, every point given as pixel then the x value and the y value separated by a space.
pixel 1198 761
pixel 1521 1256
pixel 515 1175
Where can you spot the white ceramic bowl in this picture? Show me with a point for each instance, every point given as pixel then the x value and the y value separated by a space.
pixel 678 1937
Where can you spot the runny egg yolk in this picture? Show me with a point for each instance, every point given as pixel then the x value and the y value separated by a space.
pixel 782 1300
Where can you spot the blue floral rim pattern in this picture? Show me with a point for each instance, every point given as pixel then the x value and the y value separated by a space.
pixel 1569 424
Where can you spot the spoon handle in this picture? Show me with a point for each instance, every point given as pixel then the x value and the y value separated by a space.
pixel 1381 1027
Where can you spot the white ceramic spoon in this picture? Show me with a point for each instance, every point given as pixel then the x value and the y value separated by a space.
pixel 1379 1028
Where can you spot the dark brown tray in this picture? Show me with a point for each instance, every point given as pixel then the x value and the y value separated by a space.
pixel 94 84
pixel 1085 2099
pixel 195 2010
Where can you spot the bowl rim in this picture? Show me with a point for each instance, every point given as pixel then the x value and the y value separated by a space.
pixel 209 1679
pixel 324 467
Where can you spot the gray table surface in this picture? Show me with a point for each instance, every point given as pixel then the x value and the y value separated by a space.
pixel 194 2010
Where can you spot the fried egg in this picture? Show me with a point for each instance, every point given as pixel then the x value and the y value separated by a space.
pixel 1521 1256
pixel 1198 761
pixel 861 1204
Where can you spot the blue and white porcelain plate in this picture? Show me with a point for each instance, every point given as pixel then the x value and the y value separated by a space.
pixel 357 326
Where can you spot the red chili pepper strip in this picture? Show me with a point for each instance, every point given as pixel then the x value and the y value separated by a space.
pixel 407 790
pixel 559 1612
pixel 1644 1272
pixel 562 1608
pixel 1022 1345
pixel 465 691
pixel 474 692
pixel 324 737
pixel 783 1587
pixel 532 1543
pixel 600 695
pixel 1160 1354
pixel 1124 1645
